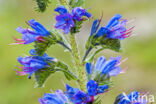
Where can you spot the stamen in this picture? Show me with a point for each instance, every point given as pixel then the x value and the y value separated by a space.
pixel 124 70
pixel 20 73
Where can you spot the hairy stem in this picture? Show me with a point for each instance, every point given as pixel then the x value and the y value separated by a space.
pixel 79 65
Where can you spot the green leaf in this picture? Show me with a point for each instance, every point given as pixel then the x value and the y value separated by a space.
pixel 64 68
pixel 42 75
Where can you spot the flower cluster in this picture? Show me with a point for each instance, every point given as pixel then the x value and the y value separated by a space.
pixel 93 81
pixel 74 95
pixel 66 20
pixel 94 88
pixel 29 35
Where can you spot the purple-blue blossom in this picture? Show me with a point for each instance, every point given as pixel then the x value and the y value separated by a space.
pixel 89 68
pixel 94 89
pixel 65 20
pixel 78 13
pixel 29 35
pixel 61 9
pixel 77 96
pixel 103 67
pixel 30 64
pixel 115 29
pixel 54 98
pixel 110 67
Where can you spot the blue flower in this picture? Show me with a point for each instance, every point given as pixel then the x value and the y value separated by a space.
pixel 103 67
pixel 89 68
pixel 115 29
pixel 94 89
pixel 132 98
pixel 39 29
pixel 109 68
pixel 114 21
pixel 78 12
pixel 64 22
pixel 76 96
pixel 30 64
pixel 54 98
pixel 95 26
pixel 61 9
pixel 29 36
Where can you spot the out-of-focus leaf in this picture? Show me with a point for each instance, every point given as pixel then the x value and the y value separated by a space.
pixel 42 5
pixel 76 3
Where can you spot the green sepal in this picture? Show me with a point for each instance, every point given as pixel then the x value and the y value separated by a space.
pixel 42 75
pixel 103 79
pixel 113 44
pixel 77 27
pixel 41 47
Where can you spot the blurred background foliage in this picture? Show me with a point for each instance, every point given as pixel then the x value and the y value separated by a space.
pixel 140 48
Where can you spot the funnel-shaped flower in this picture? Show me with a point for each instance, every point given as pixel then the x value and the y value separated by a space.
pixel 30 64
pixel 76 96
pixel 115 29
pixel 29 35
pixel 64 22
pixel 78 13
pixel 103 67
pixel 54 98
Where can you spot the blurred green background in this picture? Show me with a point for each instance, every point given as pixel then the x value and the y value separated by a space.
pixel 140 48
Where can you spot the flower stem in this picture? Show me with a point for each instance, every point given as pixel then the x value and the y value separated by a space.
pixel 79 65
